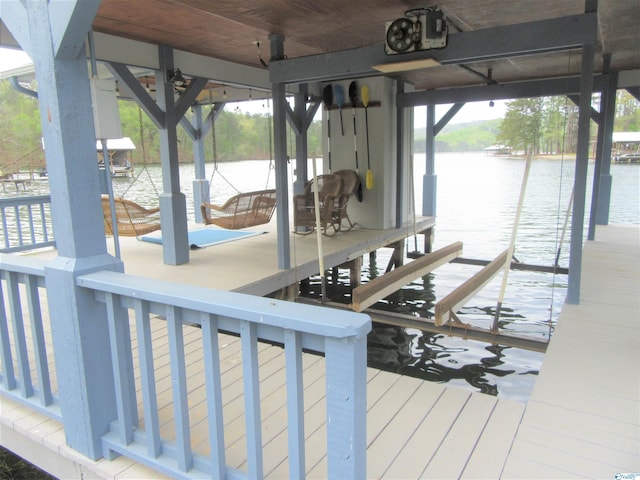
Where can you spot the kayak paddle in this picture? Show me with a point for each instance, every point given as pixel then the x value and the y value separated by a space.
pixel 353 96
pixel 339 94
pixel 327 98
pixel 365 102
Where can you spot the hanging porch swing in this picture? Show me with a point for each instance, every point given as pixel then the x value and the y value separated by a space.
pixel 132 219
pixel 243 210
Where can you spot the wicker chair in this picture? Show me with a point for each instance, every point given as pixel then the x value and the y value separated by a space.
pixel 242 210
pixel 350 184
pixel 304 215
pixel 132 219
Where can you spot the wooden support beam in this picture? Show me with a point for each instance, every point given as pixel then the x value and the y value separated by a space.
pixel 355 272
pixel 397 256
pixel 457 298
pixel 380 287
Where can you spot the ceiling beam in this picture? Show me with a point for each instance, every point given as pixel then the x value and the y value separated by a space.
pixel 558 34
pixel 508 91
pixel 139 54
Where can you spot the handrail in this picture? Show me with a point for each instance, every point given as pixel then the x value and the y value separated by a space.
pixel 21 312
pixel 339 335
pixel 23 226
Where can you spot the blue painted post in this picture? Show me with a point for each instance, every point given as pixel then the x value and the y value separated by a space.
pixel 604 190
pixel 302 154
pixel 54 39
pixel 346 364
pixel 173 203
pixel 580 181
pixel 430 180
pixel 401 149
pixel 200 182
pixel 280 153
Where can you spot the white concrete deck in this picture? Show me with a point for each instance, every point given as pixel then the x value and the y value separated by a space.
pixel 250 265
pixel 583 418
pixel 581 422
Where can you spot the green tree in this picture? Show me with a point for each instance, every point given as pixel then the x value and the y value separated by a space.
pixel 20 145
pixel 522 124
pixel 627 112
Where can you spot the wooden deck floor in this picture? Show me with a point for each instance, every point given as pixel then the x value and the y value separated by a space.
pixel 581 422
pixel 583 418
pixel 250 265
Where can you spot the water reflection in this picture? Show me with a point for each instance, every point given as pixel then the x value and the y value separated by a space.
pixel 432 357
pixel 491 369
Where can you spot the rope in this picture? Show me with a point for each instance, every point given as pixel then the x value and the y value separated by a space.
pixel 214 146
pixel 270 132
pixel 558 243
pixel 144 158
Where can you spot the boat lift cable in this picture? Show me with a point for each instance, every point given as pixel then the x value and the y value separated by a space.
pixel 105 156
pixel 141 132
pixel 270 132
pixel 214 146
pixel 560 241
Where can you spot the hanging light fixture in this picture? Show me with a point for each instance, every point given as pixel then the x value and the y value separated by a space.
pixel 175 76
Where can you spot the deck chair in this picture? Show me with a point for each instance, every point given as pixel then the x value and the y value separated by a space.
pixel 304 216
pixel 350 185
pixel 242 210
pixel 133 220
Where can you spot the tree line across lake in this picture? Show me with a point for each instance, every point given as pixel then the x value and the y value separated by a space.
pixel 537 125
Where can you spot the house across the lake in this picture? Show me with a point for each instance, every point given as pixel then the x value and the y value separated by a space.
pixel 625 147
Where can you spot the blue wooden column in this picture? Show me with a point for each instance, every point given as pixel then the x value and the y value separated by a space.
pixel 580 179
pixel 53 35
pixel 605 179
pixel 200 182
pixel 430 180
pixel 300 127
pixel 173 204
pixel 280 153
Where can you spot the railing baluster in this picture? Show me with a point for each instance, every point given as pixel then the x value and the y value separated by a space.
pixel 9 375
pixel 39 345
pixel 19 339
pixel 179 383
pixel 43 217
pixel 18 224
pixel 148 378
pixel 120 351
pixel 252 414
pixel 32 230
pixel 5 229
pixel 214 394
pixel 295 403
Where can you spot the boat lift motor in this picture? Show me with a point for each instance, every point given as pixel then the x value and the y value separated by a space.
pixel 419 29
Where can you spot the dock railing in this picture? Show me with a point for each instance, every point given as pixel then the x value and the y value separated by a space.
pixel 28 351
pixel 26 356
pixel 26 223
pixel 340 336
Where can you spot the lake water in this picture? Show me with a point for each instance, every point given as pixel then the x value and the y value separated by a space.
pixel 476 204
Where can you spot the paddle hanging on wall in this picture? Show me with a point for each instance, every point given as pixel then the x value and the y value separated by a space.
pixel 327 99
pixel 353 97
pixel 339 94
pixel 365 102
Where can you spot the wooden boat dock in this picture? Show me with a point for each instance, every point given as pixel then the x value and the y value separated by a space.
pixel 582 420
pixel 250 265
